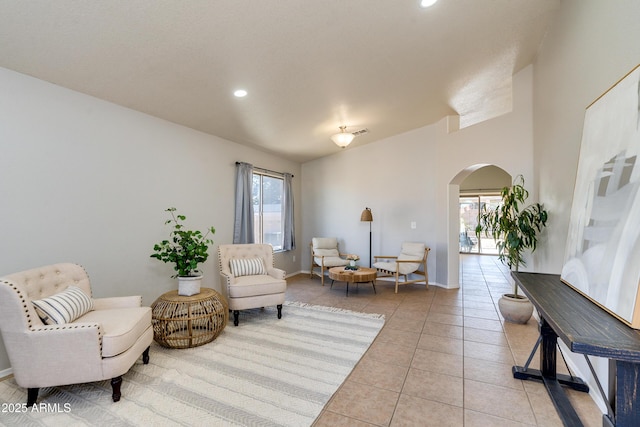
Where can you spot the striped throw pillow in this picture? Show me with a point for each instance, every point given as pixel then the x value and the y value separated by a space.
pixel 247 266
pixel 63 307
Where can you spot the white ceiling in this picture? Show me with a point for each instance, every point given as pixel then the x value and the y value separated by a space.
pixel 309 66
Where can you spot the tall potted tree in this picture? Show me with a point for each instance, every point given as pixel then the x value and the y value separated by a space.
pixel 515 229
pixel 186 249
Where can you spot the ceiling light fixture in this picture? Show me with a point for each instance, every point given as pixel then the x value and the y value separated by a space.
pixel 343 138
pixel 427 3
pixel 240 93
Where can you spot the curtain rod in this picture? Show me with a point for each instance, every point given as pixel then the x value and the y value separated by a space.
pixel 267 170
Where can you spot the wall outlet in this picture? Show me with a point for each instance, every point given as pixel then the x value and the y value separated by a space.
pixel 413 225
pixel 294 258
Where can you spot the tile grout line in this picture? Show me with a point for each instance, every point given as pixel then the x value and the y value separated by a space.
pixel 464 333
pixel 393 413
pixel 506 335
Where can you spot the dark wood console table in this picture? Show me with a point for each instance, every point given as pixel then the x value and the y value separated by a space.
pixel 585 328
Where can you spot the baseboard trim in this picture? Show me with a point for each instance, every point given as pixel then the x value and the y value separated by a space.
pixel 380 279
pixel 4 374
pixel 294 274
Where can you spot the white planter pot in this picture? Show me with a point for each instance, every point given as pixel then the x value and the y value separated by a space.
pixel 189 285
pixel 515 309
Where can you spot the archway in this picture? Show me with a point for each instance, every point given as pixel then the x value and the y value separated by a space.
pixel 488 181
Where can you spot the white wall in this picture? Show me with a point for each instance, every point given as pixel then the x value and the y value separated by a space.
pixel 407 178
pixel 337 188
pixel 486 179
pixel 86 181
pixel 591 45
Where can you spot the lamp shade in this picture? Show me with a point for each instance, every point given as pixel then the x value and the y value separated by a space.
pixel 366 215
pixel 343 138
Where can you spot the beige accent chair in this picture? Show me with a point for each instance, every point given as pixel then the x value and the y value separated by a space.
pixel 412 260
pixel 325 255
pixel 101 344
pixel 246 284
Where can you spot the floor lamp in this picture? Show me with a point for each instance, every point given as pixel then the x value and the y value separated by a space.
pixel 368 217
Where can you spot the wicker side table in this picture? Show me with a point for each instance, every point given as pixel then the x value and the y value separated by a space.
pixel 188 321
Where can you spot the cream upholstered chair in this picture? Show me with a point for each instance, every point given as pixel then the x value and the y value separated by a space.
pixel 324 255
pixel 412 260
pixel 81 339
pixel 250 278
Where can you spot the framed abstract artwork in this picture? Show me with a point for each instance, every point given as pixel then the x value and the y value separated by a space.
pixel 602 257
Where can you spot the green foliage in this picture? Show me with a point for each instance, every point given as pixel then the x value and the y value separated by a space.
pixel 186 249
pixel 514 228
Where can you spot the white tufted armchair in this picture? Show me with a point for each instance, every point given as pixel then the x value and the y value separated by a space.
pixel 103 343
pixel 250 278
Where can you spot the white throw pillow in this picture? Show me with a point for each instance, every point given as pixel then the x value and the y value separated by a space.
pixel 247 266
pixel 63 307
pixel 324 243
pixel 412 250
pixel 326 252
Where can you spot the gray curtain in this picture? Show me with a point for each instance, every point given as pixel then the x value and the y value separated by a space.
pixel 243 222
pixel 289 242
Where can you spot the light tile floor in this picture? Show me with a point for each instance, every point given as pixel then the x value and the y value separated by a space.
pixel 443 358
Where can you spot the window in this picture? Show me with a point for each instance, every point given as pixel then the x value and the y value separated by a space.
pixel 266 195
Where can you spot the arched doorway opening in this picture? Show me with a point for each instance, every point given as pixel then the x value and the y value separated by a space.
pixel 465 195
pixel 479 189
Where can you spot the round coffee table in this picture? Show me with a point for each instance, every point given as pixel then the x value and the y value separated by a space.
pixel 361 275
pixel 188 321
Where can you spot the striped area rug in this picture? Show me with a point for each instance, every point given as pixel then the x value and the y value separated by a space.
pixel 265 372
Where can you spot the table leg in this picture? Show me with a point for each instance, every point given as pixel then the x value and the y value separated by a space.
pixel 627 409
pixel 552 380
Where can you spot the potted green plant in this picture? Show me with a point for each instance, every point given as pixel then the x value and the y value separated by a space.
pixel 186 249
pixel 515 229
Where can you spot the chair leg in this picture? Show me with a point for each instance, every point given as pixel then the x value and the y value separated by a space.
pixel 32 396
pixel 115 387
pixel 145 356
pixel 236 314
pixel 312 262
pixel 279 311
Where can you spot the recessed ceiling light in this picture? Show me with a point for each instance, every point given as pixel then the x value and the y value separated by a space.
pixel 427 3
pixel 240 93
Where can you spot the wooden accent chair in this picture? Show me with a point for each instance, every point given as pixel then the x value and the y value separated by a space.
pixel 56 334
pixel 325 255
pixel 412 260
